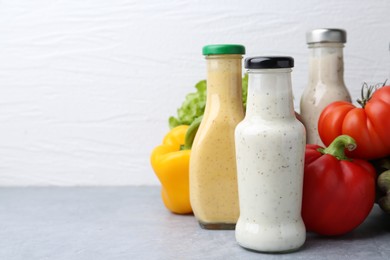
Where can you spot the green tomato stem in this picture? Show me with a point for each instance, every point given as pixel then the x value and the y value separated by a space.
pixel 336 148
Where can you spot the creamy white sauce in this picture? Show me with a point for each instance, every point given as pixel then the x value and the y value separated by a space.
pixel 270 145
pixel 326 85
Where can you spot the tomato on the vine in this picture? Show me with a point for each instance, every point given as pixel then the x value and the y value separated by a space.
pixel 368 125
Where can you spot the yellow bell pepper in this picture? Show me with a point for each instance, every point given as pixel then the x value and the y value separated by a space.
pixel 171 165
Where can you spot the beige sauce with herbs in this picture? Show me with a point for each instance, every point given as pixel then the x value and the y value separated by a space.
pixel 213 172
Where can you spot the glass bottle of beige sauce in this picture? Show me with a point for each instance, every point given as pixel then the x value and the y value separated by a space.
pixel 326 77
pixel 213 172
pixel 270 146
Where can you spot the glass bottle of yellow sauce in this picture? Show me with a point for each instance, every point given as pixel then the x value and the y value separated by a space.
pixel 213 172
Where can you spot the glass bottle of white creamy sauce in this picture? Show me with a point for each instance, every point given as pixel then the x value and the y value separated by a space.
pixel 213 172
pixel 326 77
pixel 270 145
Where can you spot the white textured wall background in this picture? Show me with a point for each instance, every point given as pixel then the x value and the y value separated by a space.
pixel 86 87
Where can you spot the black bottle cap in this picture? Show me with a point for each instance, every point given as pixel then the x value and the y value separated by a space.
pixel 269 62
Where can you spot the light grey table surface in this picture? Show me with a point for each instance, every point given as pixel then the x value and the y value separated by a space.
pixel 132 223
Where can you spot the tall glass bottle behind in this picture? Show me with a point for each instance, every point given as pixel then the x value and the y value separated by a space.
pixel 326 77
pixel 213 172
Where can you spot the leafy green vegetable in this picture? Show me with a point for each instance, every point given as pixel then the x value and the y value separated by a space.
pixel 383 183
pixel 192 107
pixel 382 167
pixel 194 104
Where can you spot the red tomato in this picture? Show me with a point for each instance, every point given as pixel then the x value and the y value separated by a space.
pixel 338 194
pixel 369 126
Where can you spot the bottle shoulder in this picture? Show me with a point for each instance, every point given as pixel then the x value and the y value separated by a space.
pixel 329 86
pixel 225 117
pixel 325 93
pixel 293 131
pixel 257 124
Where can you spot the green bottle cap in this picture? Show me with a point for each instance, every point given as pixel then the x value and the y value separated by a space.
pixel 216 49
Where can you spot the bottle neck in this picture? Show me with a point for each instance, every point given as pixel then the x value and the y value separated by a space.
pixel 224 82
pixel 326 63
pixel 270 94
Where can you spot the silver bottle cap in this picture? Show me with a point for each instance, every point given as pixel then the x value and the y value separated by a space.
pixel 326 35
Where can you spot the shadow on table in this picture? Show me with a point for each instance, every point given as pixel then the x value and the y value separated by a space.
pixel 375 227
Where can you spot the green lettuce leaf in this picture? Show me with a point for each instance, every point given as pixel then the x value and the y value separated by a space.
pixel 194 104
